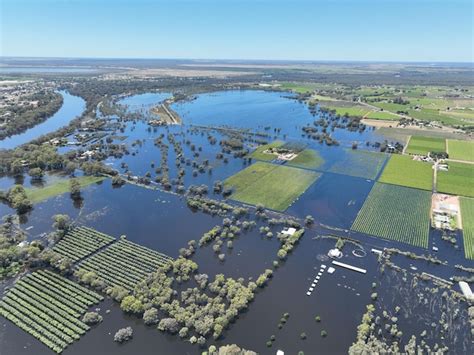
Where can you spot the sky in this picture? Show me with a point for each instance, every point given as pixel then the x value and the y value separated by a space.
pixel 344 30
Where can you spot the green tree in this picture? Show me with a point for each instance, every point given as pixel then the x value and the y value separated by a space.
pixel 62 223
pixel 150 316
pixel 91 318
pixel 75 188
pixel 36 174
pixel 18 199
pixel 131 304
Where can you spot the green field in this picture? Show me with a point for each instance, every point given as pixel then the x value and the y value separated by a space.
pixel 353 111
pixel 403 170
pixel 38 194
pixel 274 186
pixel 388 106
pixel 259 152
pixel 397 213
pixel 359 163
pixel 467 214
pixel 299 88
pixel 466 114
pixel 308 158
pixel 436 115
pixel 382 115
pixel 49 307
pixel 460 150
pixel 424 145
pixel 458 180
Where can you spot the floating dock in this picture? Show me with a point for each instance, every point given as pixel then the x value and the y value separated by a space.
pixel 350 267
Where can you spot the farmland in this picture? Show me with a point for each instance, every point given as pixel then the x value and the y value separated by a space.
pixel 48 307
pixel 424 145
pixel 359 163
pixel 300 88
pixel 81 242
pixel 259 152
pixel 308 158
pixel 403 170
pixel 397 213
pixel 467 214
pixel 274 186
pixel 382 115
pixel 124 263
pixel 344 109
pixel 458 180
pixel 460 150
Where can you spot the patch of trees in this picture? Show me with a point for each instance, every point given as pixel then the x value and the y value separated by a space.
pixel 15 252
pixel 232 349
pixel 209 206
pixel 195 313
pixel 288 242
pixel 29 156
pixel 400 101
pixel 27 116
pixel 17 198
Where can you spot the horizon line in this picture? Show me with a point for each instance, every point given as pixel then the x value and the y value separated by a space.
pixel 244 60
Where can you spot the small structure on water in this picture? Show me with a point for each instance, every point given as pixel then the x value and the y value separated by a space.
pixel 335 253
pixel 288 231
pixel 350 267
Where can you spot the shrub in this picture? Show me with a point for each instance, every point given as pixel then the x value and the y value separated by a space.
pixel 91 318
pixel 123 334
pixel 150 316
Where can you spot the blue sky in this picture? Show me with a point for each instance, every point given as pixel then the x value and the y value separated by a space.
pixel 377 30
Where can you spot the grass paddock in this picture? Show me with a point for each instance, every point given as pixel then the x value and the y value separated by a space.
pixel 274 186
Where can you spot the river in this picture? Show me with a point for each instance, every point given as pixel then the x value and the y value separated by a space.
pixel 72 107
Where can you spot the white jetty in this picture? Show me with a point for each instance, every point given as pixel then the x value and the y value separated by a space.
pixel 350 267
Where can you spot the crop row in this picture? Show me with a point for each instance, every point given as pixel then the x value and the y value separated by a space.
pixel 27 288
pixel 60 315
pixel 68 301
pixel 467 214
pixel 397 213
pixel 68 291
pixel 48 307
pixel 111 274
pixel 55 327
pixel 93 296
pixel 124 263
pixel 59 343
pixel 143 250
pixel 32 330
pixel 80 242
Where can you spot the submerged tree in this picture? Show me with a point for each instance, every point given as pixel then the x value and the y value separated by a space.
pixel 75 188
pixel 123 334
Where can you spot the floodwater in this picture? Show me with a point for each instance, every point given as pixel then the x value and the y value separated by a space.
pixel 72 107
pixel 163 222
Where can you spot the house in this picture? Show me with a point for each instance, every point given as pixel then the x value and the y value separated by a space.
pixel 288 231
